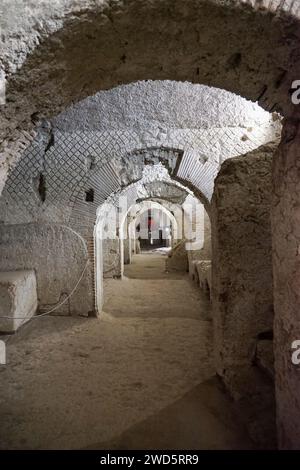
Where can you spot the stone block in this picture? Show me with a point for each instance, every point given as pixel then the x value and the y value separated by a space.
pixel 204 274
pixel 177 259
pixel 18 299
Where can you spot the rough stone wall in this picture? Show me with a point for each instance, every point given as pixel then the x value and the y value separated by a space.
pixel 111 258
pixel 18 299
pixel 286 249
pixel 58 257
pixel 177 259
pixel 242 260
pixel 151 105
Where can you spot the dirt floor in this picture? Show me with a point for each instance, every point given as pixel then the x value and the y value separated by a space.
pixel 140 377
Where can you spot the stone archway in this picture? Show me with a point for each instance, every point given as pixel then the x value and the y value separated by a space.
pixel 259 60
pixel 254 61
pixel 138 210
pixel 109 221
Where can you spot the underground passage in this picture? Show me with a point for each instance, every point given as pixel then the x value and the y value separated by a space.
pixel 149 225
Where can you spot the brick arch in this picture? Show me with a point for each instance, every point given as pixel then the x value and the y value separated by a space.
pixel 101 219
pixel 107 161
pixel 245 46
pixel 140 208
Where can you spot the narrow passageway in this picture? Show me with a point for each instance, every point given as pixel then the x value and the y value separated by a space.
pixel 201 416
pixel 141 376
pixel 148 292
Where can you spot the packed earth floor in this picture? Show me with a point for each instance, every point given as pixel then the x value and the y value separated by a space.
pixel 140 376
